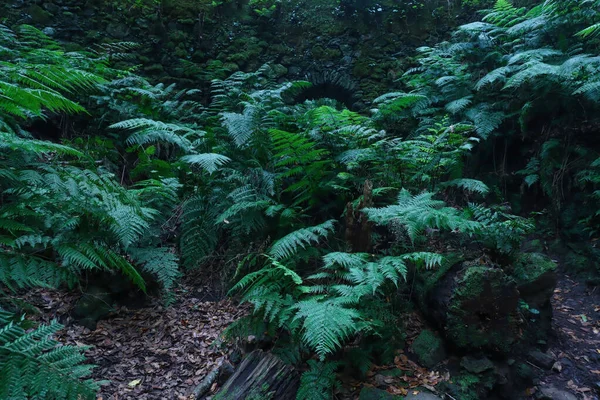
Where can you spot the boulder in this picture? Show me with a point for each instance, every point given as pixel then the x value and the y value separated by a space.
pixel 95 304
pixel 429 349
pixel 476 365
pixel 421 395
pixel 535 276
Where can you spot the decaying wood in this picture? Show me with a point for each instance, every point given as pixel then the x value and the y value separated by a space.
pixel 476 306
pixel 358 227
pixel 204 386
pixel 261 376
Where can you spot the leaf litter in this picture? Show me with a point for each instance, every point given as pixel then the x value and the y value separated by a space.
pixel 154 352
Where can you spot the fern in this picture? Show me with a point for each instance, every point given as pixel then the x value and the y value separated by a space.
pixel 471 185
pixel 33 365
pixel 420 212
pixel 210 162
pixel 318 382
pixel 326 323
pixel 289 245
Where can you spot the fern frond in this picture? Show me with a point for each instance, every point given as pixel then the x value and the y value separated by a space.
pixel 326 324
pixel 210 162
pixel 33 365
pixel 318 383
pixel 288 245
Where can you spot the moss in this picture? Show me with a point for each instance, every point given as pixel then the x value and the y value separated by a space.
pixel 577 262
pixel 482 308
pixel 468 385
pixel 363 68
pixel 428 348
pixel 181 52
pixel 325 54
pixel 39 15
pixel 531 266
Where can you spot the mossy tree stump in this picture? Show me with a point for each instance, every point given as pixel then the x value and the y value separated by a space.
pixel 484 307
pixel 477 307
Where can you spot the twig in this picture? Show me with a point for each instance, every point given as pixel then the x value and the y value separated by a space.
pixel 206 383
pixel 533 365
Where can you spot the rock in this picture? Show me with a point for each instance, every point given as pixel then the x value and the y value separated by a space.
pixel 540 359
pixel 552 393
pixel 535 276
pixel 429 349
pixel 51 8
pixel 369 393
pixel 118 31
pixel 557 367
pixel 49 31
pixel 382 380
pixel 225 373
pixel 422 395
pixel 476 365
pixel 94 305
pixel 525 372
pixel 294 71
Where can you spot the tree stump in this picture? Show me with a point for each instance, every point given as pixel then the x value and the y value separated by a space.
pixel 476 306
pixel 261 376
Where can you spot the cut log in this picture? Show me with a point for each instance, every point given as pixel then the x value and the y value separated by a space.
pixel 261 376
pixel 476 306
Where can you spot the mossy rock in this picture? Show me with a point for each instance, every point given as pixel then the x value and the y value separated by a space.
pixel 429 349
pixel 535 275
pixel 531 267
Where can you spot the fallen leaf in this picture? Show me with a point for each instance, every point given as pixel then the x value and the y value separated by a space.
pixel 134 383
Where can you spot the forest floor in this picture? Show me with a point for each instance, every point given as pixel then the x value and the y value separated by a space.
pixel 575 343
pixel 164 353
pixel 154 352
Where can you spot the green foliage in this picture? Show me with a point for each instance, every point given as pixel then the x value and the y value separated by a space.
pixel 318 382
pixel 504 231
pixel 415 214
pixel 288 245
pixel 34 366
pixel 60 219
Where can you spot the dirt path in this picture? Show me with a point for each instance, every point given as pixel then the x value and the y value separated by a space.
pixel 576 341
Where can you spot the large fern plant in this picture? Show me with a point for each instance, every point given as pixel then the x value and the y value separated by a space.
pixel 33 365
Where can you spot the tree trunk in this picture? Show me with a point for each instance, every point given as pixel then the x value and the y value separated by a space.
pixel 358 227
pixel 261 376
